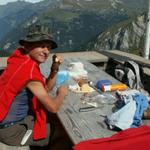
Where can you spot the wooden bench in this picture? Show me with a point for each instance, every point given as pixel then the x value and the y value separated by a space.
pixel 7 147
pixel 123 56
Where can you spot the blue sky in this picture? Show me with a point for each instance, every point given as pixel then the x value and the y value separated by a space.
pixel 3 2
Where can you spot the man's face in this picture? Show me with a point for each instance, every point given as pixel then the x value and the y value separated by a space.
pixel 39 51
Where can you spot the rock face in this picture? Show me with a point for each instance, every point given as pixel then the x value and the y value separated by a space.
pixel 126 36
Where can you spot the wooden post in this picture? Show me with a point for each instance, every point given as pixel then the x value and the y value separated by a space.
pixel 147 36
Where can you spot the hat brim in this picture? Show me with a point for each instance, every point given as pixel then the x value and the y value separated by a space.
pixel 51 42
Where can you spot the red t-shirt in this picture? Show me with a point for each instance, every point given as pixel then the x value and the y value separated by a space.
pixel 20 69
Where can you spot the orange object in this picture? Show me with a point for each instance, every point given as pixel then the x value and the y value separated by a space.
pixel 114 87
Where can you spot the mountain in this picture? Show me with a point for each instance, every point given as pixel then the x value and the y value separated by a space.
pixel 74 23
pixel 15 13
pixel 127 36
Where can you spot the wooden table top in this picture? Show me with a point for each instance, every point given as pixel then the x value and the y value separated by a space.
pixel 83 125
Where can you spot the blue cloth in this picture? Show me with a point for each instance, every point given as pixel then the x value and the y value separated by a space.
pixel 123 118
pixel 129 113
pixel 141 106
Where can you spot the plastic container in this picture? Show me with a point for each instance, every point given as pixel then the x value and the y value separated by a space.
pixel 105 98
pixel 62 78
pixel 101 83
pixel 114 87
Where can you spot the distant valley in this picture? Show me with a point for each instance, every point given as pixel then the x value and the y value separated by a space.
pixel 76 24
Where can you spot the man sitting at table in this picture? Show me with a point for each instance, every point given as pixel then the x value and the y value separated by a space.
pixel 24 94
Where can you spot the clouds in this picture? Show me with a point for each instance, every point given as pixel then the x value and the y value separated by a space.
pixel 3 2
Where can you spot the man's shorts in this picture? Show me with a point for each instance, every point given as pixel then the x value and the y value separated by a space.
pixel 14 134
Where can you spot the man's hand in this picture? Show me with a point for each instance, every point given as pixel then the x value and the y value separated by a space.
pixel 50 103
pixel 62 90
pixel 57 59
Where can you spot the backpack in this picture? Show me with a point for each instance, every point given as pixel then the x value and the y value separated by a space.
pixel 130 73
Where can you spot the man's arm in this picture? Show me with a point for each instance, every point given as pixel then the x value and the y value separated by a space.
pixel 51 104
pixel 50 82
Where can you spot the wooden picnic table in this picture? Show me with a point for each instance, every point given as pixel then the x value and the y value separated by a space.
pixel 83 125
pixel 89 124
